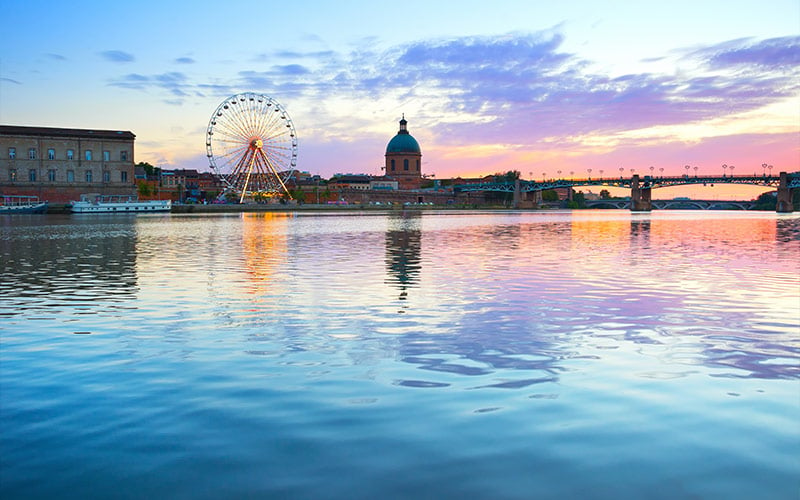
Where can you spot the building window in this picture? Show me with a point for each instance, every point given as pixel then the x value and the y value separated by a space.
pixel 123 156
pixel 51 175
pixel 51 154
pixel 106 155
pixel 70 154
pixel 88 176
pixel 123 176
pixel 12 174
pixel 32 175
pixel 405 164
pixel 417 165
pixel 70 176
pixel 88 155
pixel 12 153
pixel 106 176
pixel 392 165
pixel 32 154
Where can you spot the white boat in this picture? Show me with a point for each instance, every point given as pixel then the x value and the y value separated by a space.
pixel 120 204
pixel 13 204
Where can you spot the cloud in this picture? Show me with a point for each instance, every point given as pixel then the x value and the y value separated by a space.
pixel 174 83
pixel 774 53
pixel 55 57
pixel 515 89
pixel 184 60
pixel 9 80
pixel 117 56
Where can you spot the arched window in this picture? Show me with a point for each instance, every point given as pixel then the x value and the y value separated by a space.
pixel 417 165
pixel 392 165
pixel 405 164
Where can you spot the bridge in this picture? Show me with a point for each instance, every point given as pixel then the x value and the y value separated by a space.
pixel 641 187
pixel 676 204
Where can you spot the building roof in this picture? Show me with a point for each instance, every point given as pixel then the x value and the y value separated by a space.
pixel 403 142
pixel 65 132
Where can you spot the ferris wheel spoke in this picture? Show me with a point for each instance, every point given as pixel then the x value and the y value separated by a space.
pixel 252 145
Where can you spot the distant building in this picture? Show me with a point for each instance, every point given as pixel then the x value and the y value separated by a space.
pixel 404 158
pixel 60 164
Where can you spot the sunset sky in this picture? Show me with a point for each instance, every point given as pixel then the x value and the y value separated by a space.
pixel 486 87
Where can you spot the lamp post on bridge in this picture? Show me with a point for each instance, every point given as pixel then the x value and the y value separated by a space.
pixel 724 169
pixel 731 167
pixel 769 167
pixel 764 166
pixel 652 168
pixel 661 172
pixel 590 173
pixel 620 171
pixel 687 167
pixel 601 174
pixel 695 172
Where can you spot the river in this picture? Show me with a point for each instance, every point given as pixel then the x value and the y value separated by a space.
pixel 484 355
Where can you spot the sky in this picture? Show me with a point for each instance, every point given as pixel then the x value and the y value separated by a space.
pixel 541 87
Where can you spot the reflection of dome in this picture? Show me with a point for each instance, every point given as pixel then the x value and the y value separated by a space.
pixel 403 142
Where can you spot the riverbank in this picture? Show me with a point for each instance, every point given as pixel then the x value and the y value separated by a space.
pixel 277 207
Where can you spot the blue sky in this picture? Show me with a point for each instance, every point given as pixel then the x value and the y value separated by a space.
pixel 535 86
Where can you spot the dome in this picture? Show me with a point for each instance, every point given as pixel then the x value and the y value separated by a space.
pixel 403 142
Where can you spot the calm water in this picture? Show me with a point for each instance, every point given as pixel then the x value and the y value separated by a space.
pixel 445 355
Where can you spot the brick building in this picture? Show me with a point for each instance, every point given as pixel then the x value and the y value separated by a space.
pixel 404 158
pixel 59 164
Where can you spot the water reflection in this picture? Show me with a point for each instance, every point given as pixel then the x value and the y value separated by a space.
pixel 403 249
pixel 61 262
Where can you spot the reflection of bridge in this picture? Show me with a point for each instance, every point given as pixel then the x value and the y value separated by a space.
pixel 676 204
pixel 641 186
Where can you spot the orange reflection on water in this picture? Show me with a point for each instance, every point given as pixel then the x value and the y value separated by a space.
pixel 264 247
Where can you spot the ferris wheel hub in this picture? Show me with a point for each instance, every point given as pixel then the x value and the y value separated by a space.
pixel 256 143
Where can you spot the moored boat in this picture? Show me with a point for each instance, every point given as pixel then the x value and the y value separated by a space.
pixel 13 204
pixel 95 203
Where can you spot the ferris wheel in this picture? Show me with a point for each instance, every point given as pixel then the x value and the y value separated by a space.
pixel 251 144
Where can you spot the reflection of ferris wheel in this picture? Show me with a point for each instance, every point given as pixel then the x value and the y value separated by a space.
pixel 252 145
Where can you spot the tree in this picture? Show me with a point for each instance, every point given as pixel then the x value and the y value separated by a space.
pixel 509 176
pixel 578 200
pixel 149 169
pixel 549 195
pixel 144 189
pixel 604 194
pixel 766 201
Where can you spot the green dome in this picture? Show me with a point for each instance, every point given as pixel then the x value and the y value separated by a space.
pixel 403 143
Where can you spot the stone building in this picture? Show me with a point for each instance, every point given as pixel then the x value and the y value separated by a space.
pixel 59 164
pixel 404 158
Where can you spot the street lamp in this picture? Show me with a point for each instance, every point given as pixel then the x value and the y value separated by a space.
pixel 687 167
pixel 731 167
pixel 590 173
pixel 601 174
pixel 764 166
pixel 620 171
pixel 661 171
pixel 695 171
pixel 559 174
pixel 770 170
pixel 724 169
pixel 652 168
